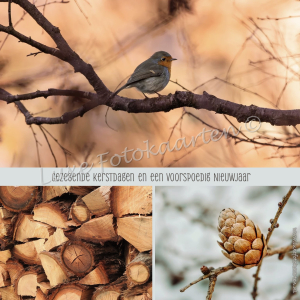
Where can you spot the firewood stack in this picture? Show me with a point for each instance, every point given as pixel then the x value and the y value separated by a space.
pixel 76 243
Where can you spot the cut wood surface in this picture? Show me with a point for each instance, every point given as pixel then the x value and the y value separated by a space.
pixel 51 213
pixel 59 243
pixel 18 198
pixel 98 230
pixel 29 252
pixel 26 284
pixel 54 268
pixel 127 200
pixel 5 255
pixel 98 201
pixel 105 272
pixel 27 228
pixel 50 192
pixel 137 231
pixel 55 240
pixel 80 213
pixel 140 269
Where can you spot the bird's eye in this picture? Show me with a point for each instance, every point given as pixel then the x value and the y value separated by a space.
pixel 163 59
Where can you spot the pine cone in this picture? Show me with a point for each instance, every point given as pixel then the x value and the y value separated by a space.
pixel 242 241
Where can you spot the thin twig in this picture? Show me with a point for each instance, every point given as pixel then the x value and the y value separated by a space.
pixel 49 145
pixel 9 14
pixel 271 229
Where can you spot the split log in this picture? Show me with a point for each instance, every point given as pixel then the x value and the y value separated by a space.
pixel 98 201
pixel 40 295
pixel 140 269
pixel 4 276
pixel 5 214
pixel 6 228
pixel 111 291
pixel 71 291
pixel 144 290
pixel 29 252
pixel 14 268
pixel 26 284
pixel 5 255
pixel 98 230
pixel 79 212
pixel 18 198
pixel 50 192
pixel 8 293
pixel 54 269
pixel 26 228
pixel 127 200
pixel 52 213
pixel 80 190
pixel 45 287
pixel 55 240
pixel 106 271
pixel 137 231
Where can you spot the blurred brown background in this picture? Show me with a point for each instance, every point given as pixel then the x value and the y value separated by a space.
pixel 116 36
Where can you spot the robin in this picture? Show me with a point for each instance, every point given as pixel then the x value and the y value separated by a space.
pixel 151 76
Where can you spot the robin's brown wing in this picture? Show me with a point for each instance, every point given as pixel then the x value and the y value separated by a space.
pixel 144 71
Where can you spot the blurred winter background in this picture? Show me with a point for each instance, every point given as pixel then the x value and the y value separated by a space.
pixel 186 238
pixel 115 36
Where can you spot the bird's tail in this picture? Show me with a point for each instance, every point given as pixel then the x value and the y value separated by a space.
pixel 118 91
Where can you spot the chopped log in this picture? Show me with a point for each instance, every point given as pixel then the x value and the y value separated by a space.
pixel 106 271
pixel 50 192
pixel 55 240
pixel 54 269
pixel 5 255
pixel 5 214
pixel 79 212
pixel 14 268
pixel 140 269
pixel 45 287
pixel 6 228
pixel 116 287
pixel 80 190
pixel 29 252
pixel 18 198
pixel 127 200
pixel 40 295
pixel 26 228
pixel 80 258
pixel 72 291
pixel 130 253
pixel 98 201
pixel 137 231
pixel 108 295
pixel 8 293
pixel 26 284
pixel 4 276
pixel 98 230
pixel 144 289
pixel 52 213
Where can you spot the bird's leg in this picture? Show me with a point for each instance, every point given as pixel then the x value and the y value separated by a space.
pixel 158 94
pixel 145 96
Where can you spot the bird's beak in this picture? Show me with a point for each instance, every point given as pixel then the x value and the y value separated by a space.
pixel 174 59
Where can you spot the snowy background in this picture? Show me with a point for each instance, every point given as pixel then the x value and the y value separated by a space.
pixel 186 238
